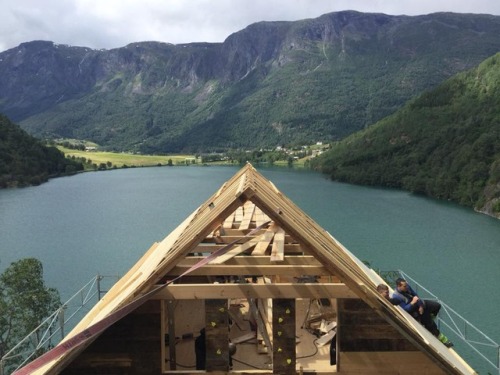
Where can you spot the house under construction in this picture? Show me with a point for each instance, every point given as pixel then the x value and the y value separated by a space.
pixel 248 284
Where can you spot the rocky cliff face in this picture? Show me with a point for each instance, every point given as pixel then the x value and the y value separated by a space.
pixel 38 75
pixel 269 83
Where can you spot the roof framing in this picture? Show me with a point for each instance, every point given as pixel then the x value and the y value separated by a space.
pixel 265 234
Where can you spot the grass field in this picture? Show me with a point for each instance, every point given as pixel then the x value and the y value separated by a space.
pixel 120 160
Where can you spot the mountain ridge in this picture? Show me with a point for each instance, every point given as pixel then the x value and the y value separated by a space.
pixel 286 82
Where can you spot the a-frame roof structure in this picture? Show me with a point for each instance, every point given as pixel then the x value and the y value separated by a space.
pixel 249 215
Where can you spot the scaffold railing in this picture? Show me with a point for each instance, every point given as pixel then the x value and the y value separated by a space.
pixel 482 346
pixel 54 328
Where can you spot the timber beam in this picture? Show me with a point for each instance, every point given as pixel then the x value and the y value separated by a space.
pixel 229 290
pixel 233 270
pixel 257 260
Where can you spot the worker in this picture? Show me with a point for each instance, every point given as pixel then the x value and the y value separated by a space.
pixel 411 303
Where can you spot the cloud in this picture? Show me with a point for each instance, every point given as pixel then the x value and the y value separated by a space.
pixel 115 23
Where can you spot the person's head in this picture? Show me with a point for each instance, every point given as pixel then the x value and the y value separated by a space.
pixel 401 284
pixel 383 290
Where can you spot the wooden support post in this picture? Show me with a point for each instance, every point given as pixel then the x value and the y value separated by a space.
pixel 163 330
pixel 261 326
pixel 284 357
pixel 171 334
pixel 217 334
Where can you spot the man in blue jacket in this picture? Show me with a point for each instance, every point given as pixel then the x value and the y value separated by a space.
pixel 421 310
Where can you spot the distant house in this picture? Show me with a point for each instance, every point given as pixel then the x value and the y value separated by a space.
pixel 316 153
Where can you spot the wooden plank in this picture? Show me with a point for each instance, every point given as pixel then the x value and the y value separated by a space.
pixel 261 326
pixel 265 309
pixel 231 238
pixel 228 222
pixel 260 216
pixel 237 250
pixel 261 247
pixel 238 215
pixel 257 260
pixel 326 338
pixel 216 243
pixel 207 248
pixel 249 209
pixel 278 251
pixel 244 338
pixel 233 232
pixel 284 290
pixel 255 270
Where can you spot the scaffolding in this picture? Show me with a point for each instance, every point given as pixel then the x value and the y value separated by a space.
pixel 485 348
pixel 54 328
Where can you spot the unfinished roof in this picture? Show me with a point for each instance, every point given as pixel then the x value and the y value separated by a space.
pixel 247 215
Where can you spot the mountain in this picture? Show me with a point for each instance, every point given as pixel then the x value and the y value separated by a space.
pixel 445 144
pixel 269 84
pixel 25 161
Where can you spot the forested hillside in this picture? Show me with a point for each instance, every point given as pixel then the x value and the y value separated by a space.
pixel 445 144
pixel 24 160
pixel 270 84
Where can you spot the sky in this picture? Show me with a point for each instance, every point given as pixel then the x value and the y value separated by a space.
pixel 115 23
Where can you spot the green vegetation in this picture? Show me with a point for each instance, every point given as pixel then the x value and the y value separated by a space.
pixel 272 84
pixel 445 144
pixel 101 160
pixel 93 160
pixel 325 97
pixel 25 161
pixel 25 302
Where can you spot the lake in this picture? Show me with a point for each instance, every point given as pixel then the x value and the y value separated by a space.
pixel 102 222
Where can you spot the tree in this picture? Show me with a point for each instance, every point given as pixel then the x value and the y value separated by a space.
pixel 25 301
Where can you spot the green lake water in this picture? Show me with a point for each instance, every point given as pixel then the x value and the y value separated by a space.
pixel 102 223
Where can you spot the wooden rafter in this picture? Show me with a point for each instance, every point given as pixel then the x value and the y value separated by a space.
pixel 247 201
